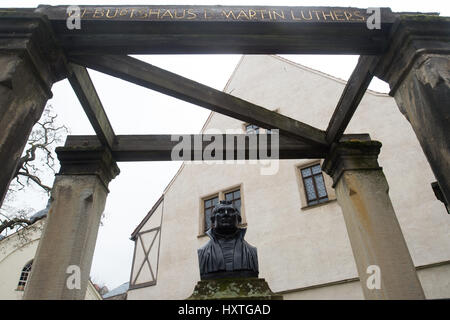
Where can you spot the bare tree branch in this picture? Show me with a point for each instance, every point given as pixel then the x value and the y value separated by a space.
pixel 36 165
pixel 36 180
pixel 15 222
pixel 44 137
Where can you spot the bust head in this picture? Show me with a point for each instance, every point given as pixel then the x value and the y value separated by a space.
pixel 225 218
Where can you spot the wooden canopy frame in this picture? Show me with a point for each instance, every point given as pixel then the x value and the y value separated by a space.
pixel 108 34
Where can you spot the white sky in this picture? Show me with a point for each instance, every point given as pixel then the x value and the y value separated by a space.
pixel 136 110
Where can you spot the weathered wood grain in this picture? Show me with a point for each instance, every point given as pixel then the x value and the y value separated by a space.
pixel 149 76
pixel 353 92
pixel 159 147
pixel 220 29
pixel 90 101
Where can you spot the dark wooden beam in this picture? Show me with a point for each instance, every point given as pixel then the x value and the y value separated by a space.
pixel 159 147
pixel 353 92
pixel 86 93
pixel 149 76
pixel 220 29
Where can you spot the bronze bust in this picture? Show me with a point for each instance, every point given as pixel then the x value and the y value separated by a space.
pixel 227 254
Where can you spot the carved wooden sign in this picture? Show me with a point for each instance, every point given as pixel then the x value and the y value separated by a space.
pixel 219 29
pixel 214 13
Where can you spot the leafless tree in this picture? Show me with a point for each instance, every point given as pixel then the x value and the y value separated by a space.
pixel 37 161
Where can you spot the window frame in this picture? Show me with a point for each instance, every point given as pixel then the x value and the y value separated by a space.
pixel 26 274
pixel 302 188
pixel 316 190
pixel 260 129
pixel 232 192
pixel 221 195
pixel 254 131
pixel 204 209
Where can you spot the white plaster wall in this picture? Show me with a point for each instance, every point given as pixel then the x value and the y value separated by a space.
pixel 343 291
pixel 435 281
pixel 15 252
pixel 300 248
pixel 91 293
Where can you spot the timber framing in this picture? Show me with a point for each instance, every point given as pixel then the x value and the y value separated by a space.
pixel 351 97
pixel 88 97
pixel 220 29
pixel 109 33
pixel 149 76
pixel 160 147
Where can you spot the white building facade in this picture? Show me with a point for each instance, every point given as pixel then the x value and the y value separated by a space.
pixel 292 216
pixel 17 252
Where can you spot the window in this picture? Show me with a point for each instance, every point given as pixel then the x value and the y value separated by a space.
pixel 208 202
pixel 251 128
pixel 24 276
pixel 235 198
pixel 208 206
pixel 314 185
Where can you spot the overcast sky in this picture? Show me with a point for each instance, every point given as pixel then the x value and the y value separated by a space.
pixel 135 110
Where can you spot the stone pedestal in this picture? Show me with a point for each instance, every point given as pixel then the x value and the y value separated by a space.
pixel 233 289
pixel 30 62
pixel 64 255
pixel 417 68
pixel 385 267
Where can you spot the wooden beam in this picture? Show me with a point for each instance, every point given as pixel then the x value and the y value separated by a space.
pixel 159 147
pixel 220 29
pixel 353 92
pixel 86 93
pixel 149 76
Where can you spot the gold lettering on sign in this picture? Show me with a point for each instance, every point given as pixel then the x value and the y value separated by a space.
pixel 142 13
pixel 150 12
pixel 348 15
pixel 338 14
pixel 84 12
pixel 167 13
pixel 192 15
pixel 328 15
pixel 262 13
pixel 252 14
pixel 317 14
pixel 358 14
pixel 294 17
pixel 310 15
pixel 96 12
pixel 110 16
pixel 123 12
pixel 230 13
pixel 275 14
pixel 242 13
pixel 180 13
pixel 176 15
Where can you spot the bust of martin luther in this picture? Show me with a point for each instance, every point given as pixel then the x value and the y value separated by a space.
pixel 227 254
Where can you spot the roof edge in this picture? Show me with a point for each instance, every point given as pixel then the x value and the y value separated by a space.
pixel 326 75
pixel 149 214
